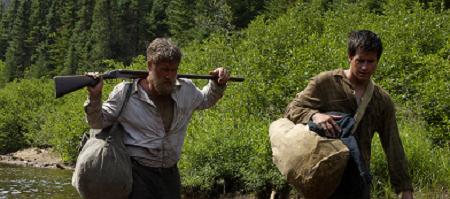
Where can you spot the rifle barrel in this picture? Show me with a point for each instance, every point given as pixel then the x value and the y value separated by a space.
pixel 188 76
pixel 143 74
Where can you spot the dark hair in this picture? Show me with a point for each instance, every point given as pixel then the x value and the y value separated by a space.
pixel 365 40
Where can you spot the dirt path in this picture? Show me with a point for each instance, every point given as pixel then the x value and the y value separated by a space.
pixel 35 157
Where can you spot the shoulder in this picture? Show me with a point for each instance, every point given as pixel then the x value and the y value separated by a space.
pixel 382 98
pixel 186 87
pixel 186 83
pixel 327 76
pixel 121 85
pixel 381 94
pixel 120 89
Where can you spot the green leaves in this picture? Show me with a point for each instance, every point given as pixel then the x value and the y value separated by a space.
pixel 24 108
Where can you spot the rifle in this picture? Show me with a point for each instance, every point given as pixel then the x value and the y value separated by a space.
pixel 67 84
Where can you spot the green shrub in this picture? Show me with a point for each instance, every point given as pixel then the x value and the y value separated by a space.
pixel 227 151
pixel 65 126
pixel 24 106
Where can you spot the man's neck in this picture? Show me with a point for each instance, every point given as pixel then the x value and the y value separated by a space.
pixel 149 87
pixel 356 83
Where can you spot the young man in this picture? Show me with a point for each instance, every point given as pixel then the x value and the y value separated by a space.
pixel 341 91
pixel 155 118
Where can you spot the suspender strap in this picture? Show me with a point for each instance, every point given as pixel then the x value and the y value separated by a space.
pixel 355 153
pixel 115 134
pixel 127 97
pixel 363 105
pixel 108 132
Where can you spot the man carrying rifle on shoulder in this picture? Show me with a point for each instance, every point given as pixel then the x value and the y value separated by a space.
pixel 155 118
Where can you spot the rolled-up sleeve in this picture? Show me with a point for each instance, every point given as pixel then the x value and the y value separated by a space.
pixel 102 114
pixel 305 104
pixel 393 148
pixel 209 95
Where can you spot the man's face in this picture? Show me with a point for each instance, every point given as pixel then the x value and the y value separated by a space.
pixel 164 75
pixel 363 64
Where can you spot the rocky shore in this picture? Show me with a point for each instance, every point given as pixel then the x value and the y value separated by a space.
pixel 35 157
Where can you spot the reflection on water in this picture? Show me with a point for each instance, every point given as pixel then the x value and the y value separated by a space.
pixel 27 182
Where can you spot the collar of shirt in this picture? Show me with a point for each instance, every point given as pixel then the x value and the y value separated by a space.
pixel 348 87
pixel 339 73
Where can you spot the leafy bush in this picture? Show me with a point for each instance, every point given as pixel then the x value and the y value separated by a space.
pixel 24 106
pixel 65 126
pixel 226 153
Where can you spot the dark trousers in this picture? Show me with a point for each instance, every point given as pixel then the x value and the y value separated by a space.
pixel 352 185
pixel 155 183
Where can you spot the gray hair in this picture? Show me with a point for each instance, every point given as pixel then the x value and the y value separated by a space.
pixel 163 50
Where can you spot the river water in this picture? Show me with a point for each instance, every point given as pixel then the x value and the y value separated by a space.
pixel 28 182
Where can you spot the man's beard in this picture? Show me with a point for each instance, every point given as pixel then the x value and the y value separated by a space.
pixel 164 86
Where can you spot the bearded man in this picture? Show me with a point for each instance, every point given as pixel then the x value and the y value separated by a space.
pixel 155 119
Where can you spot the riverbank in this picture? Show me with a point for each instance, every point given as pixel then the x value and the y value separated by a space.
pixel 35 157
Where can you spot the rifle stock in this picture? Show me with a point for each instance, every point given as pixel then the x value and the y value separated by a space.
pixel 68 84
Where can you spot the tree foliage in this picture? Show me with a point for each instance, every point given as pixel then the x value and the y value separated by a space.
pixel 47 38
pixel 17 58
pixel 9 14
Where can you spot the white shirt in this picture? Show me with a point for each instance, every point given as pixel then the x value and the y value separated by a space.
pixel 145 137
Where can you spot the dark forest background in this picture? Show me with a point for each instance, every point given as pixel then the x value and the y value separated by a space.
pixel 46 38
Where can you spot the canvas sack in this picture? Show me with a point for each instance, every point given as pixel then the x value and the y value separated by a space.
pixel 312 164
pixel 103 168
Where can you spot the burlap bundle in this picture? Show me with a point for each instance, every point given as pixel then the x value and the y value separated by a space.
pixel 312 164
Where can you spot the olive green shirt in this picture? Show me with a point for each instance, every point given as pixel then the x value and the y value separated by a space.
pixel 332 91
